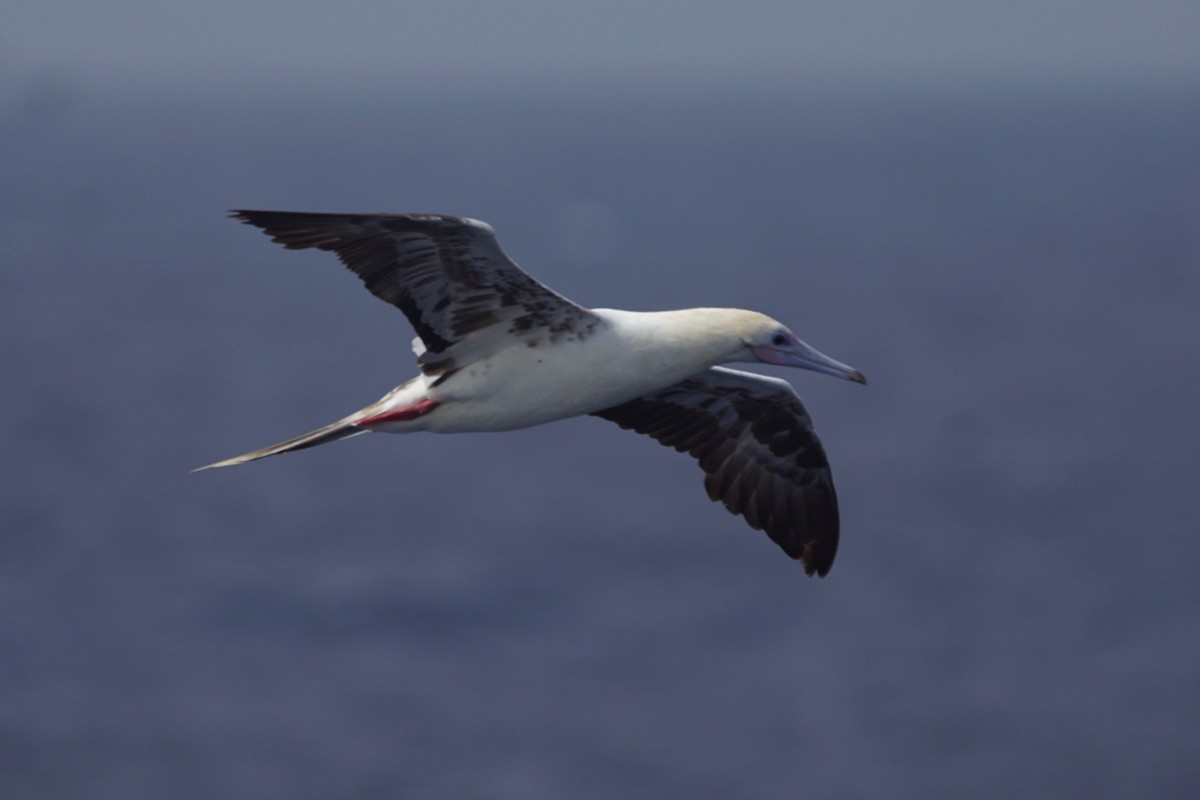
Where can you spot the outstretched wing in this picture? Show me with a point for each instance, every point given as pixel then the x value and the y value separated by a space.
pixel 448 275
pixel 756 444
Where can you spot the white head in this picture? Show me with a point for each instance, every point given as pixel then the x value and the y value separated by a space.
pixel 762 339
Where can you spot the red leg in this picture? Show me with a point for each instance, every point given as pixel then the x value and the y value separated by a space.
pixel 419 409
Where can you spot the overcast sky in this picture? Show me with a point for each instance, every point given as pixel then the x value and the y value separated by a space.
pixel 629 39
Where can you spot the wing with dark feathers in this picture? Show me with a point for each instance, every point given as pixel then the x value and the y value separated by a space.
pixel 755 442
pixel 448 275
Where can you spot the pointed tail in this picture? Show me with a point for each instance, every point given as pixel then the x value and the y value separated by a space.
pixel 342 429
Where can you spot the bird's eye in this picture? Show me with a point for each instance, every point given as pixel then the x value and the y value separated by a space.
pixel 780 340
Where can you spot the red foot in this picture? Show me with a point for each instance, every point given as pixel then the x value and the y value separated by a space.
pixel 401 414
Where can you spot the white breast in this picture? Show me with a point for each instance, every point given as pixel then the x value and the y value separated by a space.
pixel 522 386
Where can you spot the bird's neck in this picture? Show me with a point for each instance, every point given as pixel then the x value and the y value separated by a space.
pixel 686 341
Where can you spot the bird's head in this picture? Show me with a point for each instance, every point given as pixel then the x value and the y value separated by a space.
pixel 770 342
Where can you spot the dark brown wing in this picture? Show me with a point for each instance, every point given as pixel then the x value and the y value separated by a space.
pixel 448 275
pixel 756 444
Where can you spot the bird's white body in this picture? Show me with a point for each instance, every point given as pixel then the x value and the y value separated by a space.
pixel 630 354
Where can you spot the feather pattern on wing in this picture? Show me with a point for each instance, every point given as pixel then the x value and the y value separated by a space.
pixel 462 294
pixel 756 444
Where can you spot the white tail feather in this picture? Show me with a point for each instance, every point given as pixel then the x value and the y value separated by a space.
pixel 342 429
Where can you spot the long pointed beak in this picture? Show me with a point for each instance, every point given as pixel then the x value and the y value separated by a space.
pixel 798 354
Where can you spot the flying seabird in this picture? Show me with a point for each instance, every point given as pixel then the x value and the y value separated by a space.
pixel 499 351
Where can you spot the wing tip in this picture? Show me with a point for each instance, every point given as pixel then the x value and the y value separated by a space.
pixel 817 558
pixel 256 216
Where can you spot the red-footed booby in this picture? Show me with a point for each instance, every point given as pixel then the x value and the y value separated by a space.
pixel 499 351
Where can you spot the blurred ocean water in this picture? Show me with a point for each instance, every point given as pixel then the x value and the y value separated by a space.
pixel 560 612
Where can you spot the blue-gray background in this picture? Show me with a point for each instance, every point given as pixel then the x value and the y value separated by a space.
pixel 991 209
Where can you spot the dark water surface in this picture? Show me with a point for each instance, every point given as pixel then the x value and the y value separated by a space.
pixel 560 612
